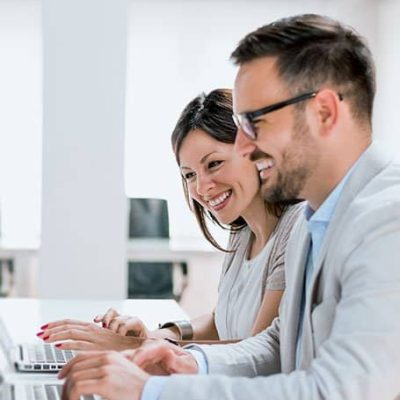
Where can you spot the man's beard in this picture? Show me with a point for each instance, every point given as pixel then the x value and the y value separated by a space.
pixel 298 163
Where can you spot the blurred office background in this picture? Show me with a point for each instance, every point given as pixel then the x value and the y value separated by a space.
pixel 90 91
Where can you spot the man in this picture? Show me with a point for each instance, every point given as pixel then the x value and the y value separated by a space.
pixel 303 102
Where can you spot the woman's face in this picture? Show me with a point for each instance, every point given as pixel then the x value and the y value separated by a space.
pixel 220 180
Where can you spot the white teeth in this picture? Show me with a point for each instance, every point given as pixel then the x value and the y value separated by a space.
pixel 265 164
pixel 219 199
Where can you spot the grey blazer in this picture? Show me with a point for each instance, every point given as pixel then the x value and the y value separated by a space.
pixel 351 331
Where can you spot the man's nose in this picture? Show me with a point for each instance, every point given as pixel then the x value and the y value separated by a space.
pixel 243 145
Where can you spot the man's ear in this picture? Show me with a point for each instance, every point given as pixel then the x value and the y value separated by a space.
pixel 326 110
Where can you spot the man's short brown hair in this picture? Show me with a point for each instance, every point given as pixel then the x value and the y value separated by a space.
pixel 312 51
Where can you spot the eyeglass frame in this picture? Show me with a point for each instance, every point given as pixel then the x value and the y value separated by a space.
pixel 252 115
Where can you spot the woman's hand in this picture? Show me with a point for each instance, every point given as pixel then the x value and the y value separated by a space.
pixel 123 325
pixel 78 335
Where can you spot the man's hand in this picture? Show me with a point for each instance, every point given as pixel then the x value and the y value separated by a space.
pixel 78 335
pixel 163 358
pixel 108 374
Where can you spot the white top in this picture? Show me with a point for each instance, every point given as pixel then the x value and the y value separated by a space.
pixel 243 282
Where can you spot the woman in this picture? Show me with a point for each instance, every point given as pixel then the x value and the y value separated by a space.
pixel 223 187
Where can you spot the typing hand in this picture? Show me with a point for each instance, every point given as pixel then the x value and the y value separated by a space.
pixel 108 374
pixel 123 324
pixel 162 358
pixel 78 335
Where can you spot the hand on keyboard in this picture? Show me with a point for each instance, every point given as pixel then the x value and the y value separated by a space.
pixel 108 374
pixel 78 335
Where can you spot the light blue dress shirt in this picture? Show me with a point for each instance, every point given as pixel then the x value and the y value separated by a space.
pixel 317 224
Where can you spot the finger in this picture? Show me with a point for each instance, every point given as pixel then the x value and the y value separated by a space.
pixel 114 324
pixel 109 316
pixel 83 360
pixel 129 354
pixel 170 360
pixel 63 328
pixel 135 327
pixel 98 318
pixel 76 345
pixel 61 322
pixel 122 329
pixel 69 334
pixel 180 364
pixel 151 354
pixel 124 325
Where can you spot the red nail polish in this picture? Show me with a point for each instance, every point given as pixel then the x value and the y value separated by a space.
pixel 58 345
pixel 44 326
pixel 104 324
pixel 45 337
pixel 39 334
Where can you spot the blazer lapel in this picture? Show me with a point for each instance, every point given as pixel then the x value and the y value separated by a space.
pixel 373 161
pixel 294 292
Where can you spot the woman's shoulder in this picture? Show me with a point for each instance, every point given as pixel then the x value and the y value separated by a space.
pixel 238 237
pixel 291 214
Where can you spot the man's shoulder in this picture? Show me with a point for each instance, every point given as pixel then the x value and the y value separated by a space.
pixel 374 210
pixel 381 193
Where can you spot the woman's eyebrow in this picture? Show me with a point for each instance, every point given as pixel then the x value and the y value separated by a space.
pixel 203 159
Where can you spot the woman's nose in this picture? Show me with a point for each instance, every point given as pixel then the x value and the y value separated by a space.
pixel 204 184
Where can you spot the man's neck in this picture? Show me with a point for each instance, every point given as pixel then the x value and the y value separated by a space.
pixel 331 173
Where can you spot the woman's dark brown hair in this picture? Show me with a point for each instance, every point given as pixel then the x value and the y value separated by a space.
pixel 212 114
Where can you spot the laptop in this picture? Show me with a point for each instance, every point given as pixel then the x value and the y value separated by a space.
pixel 33 357
pixel 33 390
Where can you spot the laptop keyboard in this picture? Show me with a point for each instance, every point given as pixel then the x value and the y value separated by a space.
pixel 47 392
pixel 47 353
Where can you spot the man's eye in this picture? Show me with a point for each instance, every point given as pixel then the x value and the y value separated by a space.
pixel 214 164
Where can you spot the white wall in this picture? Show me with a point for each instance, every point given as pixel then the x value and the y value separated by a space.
pixel 20 120
pixel 84 204
pixel 388 73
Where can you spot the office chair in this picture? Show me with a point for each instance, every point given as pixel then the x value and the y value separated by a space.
pixel 148 218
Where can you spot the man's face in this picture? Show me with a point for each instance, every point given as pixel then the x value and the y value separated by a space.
pixel 285 152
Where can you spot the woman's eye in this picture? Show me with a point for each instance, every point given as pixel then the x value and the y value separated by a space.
pixel 214 164
pixel 188 176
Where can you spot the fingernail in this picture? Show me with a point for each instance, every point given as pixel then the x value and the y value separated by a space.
pixel 39 334
pixel 104 324
pixel 44 326
pixel 45 337
pixel 58 345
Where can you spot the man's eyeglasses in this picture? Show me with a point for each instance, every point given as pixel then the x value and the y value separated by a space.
pixel 245 120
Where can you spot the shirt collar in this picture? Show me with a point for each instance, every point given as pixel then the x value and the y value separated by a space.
pixel 325 211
